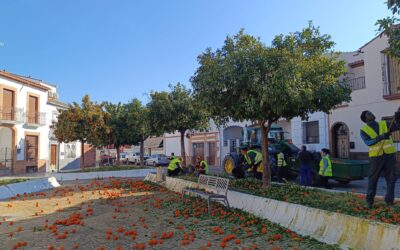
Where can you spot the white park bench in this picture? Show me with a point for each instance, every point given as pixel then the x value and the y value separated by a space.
pixel 216 188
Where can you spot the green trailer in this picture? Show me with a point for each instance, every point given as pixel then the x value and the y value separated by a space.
pixel 343 170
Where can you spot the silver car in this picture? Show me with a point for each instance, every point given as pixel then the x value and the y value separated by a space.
pixel 157 160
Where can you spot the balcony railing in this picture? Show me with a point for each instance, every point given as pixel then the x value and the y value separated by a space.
pixel 11 115
pixel 36 118
pixel 53 96
pixel 356 83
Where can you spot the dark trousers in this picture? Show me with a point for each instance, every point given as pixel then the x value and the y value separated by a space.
pixel 282 173
pixel 324 182
pixel 238 172
pixel 174 172
pixel 385 164
pixel 305 174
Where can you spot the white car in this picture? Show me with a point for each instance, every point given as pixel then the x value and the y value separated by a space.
pixel 158 159
pixel 123 157
pixel 134 158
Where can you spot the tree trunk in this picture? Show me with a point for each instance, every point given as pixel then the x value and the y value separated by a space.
pixel 82 154
pixel 183 153
pixel 265 155
pixel 118 156
pixel 142 153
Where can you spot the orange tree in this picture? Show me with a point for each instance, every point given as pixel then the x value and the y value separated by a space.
pixel 248 80
pixel 390 27
pixel 118 131
pixel 138 125
pixel 84 123
pixel 178 111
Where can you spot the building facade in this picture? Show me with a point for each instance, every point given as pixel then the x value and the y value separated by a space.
pixel 27 109
pixel 374 78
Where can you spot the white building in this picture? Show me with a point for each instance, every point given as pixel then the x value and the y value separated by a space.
pixel 313 133
pixel 27 109
pixel 374 79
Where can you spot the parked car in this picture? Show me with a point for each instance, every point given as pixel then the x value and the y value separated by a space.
pixel 134 158
pixel 107 160
pixel 157 159
pixel 123 157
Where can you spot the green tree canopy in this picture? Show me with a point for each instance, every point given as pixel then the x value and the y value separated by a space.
pixel 138 125
pixel 390 26
pixel 175 111
pixel 248 80
pixel 85 123
pixel 118 132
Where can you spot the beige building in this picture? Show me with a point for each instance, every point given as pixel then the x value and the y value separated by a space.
pixel 375 80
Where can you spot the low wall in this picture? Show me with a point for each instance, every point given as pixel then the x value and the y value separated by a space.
pixel 329 227
pixel 31 186
pixel 135 173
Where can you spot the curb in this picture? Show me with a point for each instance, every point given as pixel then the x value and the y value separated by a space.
pixel 329 227
pixel 31 186
pixel 103 174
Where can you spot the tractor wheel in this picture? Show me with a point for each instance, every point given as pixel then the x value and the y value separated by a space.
pixel 229 164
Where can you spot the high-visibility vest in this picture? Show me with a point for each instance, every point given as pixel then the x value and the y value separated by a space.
pixel 328 170
pixel 260 168
pixel 383 146
pixel 281 160
pixel 257 159
pixel 173 164
pixel 205 164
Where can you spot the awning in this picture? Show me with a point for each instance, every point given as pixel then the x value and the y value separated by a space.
pixel 154 142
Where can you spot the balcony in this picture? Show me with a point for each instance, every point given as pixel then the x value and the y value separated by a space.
pixel 35 119
pixel 356 83
pixel 11 115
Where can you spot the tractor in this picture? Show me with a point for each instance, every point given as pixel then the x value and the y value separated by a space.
pixel 344 170
pixel 252 139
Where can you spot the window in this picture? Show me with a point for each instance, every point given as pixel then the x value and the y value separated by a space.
pixel 33 108
pixel 70 150
pixel 225 143
pixel 311 132
pixel 232 145
pixel 390 75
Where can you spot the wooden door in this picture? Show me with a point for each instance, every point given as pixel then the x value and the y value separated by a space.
pixel 53 155
pixel 212 153
pixel 7 112
pixel 33 109
pixel 32 149
pixel 343 146
pixel 198 150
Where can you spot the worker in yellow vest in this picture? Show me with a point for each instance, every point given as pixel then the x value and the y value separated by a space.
pixel 201 166
pixel 282 167
pixel 204 166
pixel 253 159
pixel 376 135
pixel 325 168
pixel 174 167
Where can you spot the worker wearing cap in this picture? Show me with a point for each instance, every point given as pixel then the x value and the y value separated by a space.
pixel 254 161
pixel 376 135
pixel 174 167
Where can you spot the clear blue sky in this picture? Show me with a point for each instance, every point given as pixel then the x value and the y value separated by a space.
pixel 117 50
